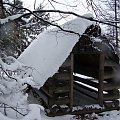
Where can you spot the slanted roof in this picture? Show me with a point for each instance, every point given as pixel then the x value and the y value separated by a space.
pixel 47 53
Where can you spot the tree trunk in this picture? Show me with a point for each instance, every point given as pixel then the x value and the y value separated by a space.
pixel 2 13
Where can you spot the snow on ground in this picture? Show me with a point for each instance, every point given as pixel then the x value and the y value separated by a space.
pixel 64 117
pixel 36 112
pixel 47 53
pixel 112 115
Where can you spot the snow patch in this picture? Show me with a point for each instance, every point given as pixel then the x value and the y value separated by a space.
pixel 34 113
pixel 9 18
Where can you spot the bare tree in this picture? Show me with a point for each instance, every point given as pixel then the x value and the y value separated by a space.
pixel 109 11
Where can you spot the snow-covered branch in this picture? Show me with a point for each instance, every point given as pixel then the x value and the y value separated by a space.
pixel 7 106
pixel 58 11
pixel 14 80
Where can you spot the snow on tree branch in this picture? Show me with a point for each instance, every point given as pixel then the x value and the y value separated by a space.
pixel 10 18
pixel 58 11
pixel 14 80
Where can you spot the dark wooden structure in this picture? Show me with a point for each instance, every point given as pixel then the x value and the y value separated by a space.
pixel 66 90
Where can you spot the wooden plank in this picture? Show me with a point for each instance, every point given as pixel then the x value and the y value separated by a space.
pixel 85 87
pixel 101 78
pixel 65 69
pixel 63 89
pixel 110 104
pixel 109 97
pixel 46 92
pixel 71 82
pixel 62 83
pixel 110 86
pixel 62 76
pixel 86 91
pixel 61 101
pixel 86 81
pixel 60 95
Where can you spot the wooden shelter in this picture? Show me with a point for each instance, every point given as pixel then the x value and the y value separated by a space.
pixel 66 89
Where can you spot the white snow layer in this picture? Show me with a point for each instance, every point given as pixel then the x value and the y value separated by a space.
pixel 34 114
pixel 47 53
pixel 9 18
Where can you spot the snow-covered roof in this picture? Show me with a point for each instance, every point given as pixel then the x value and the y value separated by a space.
pixel 47 53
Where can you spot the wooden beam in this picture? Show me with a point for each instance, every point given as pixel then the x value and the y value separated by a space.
pixel 85 90
pixel 71 82
pixel 109 97
pixel 101 78
pixel 62 76
pixel 86 81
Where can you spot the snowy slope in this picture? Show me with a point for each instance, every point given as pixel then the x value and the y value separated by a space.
pixel 47 53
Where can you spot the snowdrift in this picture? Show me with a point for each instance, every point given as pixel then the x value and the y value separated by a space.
pixel 47 53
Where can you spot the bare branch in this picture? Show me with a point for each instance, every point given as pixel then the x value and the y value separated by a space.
pixel 33 13
pixel 72 13
pixel 55 9
pixel 7 74
pixel 51 4
pixel 63 4
pixel 14 109
pixel 59 11
pixel 5 110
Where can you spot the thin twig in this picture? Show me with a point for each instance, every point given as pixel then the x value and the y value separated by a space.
pixel 63 4
pixel 5 110
pixel 15 110
pixel 7 74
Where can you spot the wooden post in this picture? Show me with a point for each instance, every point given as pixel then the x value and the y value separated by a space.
pixel 71 82
pixel 101 78
pixel 116 35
